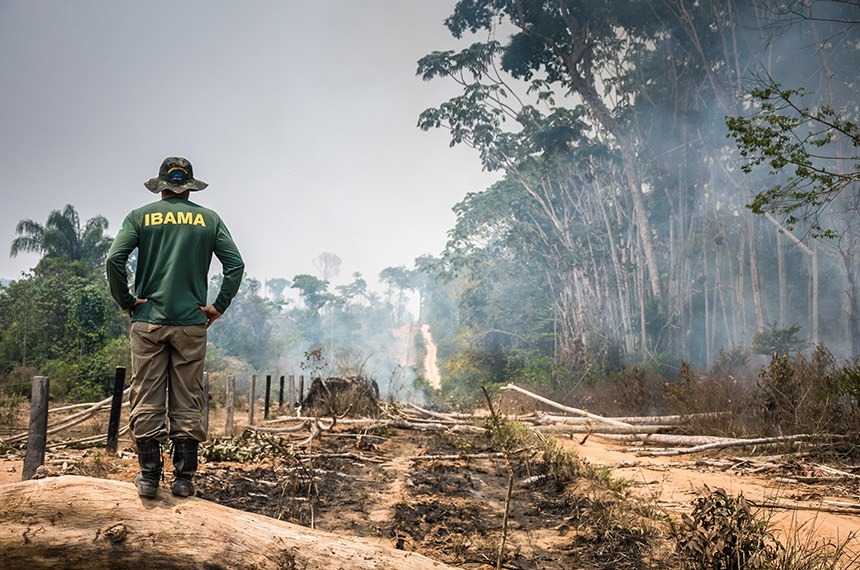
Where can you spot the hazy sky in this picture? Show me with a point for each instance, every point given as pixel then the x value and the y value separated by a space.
pixel 301 115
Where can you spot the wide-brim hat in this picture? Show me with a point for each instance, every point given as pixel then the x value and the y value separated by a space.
pixel 175 175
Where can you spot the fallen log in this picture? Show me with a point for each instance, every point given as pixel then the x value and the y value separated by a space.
pixel 598 429
pixel 734 443
pixel 664 439
pixel 564 408
pixel 82 522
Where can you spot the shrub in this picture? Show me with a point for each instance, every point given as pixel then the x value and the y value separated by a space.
pixel 723 534
pixel 717 403
pixel 808 394
pixel 778 340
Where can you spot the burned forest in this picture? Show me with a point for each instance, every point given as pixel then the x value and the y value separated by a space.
pixel 638 347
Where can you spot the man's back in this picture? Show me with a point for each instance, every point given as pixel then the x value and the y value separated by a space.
pixel 176 239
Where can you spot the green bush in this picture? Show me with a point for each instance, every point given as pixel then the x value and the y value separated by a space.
pixel 778 340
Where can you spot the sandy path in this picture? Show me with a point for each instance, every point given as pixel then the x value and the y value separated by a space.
pixel 673 482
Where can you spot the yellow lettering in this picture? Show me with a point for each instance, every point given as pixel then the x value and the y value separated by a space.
pixel 159 218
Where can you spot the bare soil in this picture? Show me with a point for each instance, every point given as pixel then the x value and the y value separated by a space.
pixel 381 486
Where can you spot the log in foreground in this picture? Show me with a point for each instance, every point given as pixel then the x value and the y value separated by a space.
pixel 83 522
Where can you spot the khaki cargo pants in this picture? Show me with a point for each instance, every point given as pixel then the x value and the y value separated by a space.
pixel 166 397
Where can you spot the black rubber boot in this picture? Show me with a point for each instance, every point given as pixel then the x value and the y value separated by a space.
pixel 184 466
pixel 149 458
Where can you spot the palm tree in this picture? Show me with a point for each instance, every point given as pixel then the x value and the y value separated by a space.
pixel 63 237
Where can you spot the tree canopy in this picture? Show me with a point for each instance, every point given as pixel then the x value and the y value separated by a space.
pixel 62 236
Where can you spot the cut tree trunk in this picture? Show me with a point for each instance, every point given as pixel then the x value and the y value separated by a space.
pixel 82 522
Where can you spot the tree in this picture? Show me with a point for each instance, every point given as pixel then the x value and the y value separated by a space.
pixel 61 320
pixel 247 332
pixel 398 280
pixel 804 143
pixel 63 237
pixel 276 287
pixel 806 138
pixel 313 291
pixel 328 264
pixel 583 100
pixel 573 44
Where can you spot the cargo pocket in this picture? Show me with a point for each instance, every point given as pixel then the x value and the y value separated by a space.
pixel 194 341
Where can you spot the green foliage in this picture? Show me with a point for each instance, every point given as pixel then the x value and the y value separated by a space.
pixel 538 371
pixel 247 447
pixel 17 382
pixel 313 291
pixel 724 534
pixel 804 143
pixel 247 332
pixel 733 360
pixel 61 321
pixel 62 237
pixel 778 340
pixel 468 371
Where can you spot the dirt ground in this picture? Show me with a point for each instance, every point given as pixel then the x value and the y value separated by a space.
pixel 674 482
pixel 416 490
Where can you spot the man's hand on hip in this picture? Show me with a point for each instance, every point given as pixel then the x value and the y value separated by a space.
pixel 212 314
pixel 130 311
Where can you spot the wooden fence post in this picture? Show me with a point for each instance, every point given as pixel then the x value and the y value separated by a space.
pixel 301 389
pixel 115 409
pixel 231 403
pixel 268 395
pixel 291 392
pixel 281 397
pixel 37 434
pixel 251 398
pixel 206 398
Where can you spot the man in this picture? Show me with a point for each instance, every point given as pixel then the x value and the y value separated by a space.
pixel 175 241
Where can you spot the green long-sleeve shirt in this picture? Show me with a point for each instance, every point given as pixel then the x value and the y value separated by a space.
pixel 175 240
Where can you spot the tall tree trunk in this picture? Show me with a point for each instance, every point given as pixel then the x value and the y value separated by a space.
pixel 812 253
pixel 783 282
pixel 755 282
pixel 814 309
pixel 631 172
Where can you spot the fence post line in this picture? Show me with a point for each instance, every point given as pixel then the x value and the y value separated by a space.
pixel 37 434
pixel 267 398
pixel 251 397
pixel 231 402
pixel 281 397
pixel 206 399
pixel 115 409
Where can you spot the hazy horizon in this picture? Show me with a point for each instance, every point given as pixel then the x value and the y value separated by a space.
pixel 301 117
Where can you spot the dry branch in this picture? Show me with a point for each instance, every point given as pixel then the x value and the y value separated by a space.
pixel 822 507
pixel 86 441
pixel 81 522
pixel 69 421
pixel 731 443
